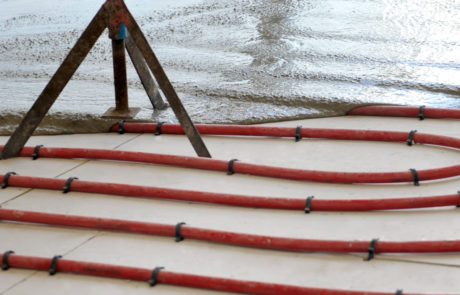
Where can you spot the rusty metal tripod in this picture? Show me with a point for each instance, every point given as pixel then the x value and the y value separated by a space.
pixel 115 16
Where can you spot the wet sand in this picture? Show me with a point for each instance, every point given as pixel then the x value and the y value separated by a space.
pixel 238 61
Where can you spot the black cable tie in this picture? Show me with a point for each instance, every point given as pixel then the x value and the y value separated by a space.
pixel 53 267
pixel 308 204
pixel 458 206
pixel 35 153
pixel 66 187
pixel 399 292
pixel 179 237
pixel 121 128
pixel 297 133
pixel 410 140
pixel 371 250
pixel 153 277
pixel 421 113
pixel 6 177
pixel 158 130
pixel 230 167
pixel 415 176
pixel 5 265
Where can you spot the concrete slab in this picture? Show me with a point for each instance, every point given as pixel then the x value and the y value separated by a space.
pixel 388 226
pixel 433 126
pixel 36 240
pixel 28 167
pixel 385 273
pixel 70 284
pixel 44 167
pixel 41 240
pixel 195 179
pixel 304 269
pixel 72 140
pixel 13 277
pixel 314 154
pixel 47 167
pixel 10 193
pixel 402 225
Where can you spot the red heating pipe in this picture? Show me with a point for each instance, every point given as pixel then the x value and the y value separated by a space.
pixel 324 133
pixel 225 237
pixel 174 278
pixel 246 168
pixel 320 176
pixel 233 199
pixel 406 111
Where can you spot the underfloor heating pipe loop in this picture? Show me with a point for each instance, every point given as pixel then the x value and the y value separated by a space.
pixel 420 112
pixel 283 203
pixel 166 277
pixel 265 170
pixel 271 131
pixel 226 237
pixel 321 176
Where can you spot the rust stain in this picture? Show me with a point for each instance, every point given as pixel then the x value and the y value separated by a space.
pixel 117 14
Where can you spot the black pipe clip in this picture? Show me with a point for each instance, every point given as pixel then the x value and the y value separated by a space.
pixel 410 140
pixel 399 292
pixel 121 128
pixel 308 204
pixel 179 237
pixel 53 266
pixel 66 187
pixel 153 277
pixel 297 133
pixel 230 167
pixel 158 130
pixel 5 265
pixel 421 113
pixel 415 176
pixel 6 177
pixel 371 250
pixel 36 150
pixel 458 206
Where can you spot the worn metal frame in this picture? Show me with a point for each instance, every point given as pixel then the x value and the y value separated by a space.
pixel 113 14
pixel 151 88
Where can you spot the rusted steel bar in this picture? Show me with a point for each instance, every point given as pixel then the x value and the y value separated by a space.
pixel 117 32
pixel 119 75
pixel 164 83
pixel 144 75
pixel 55 85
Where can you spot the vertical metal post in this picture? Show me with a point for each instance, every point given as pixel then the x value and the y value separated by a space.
pixel 119 75
pixel 121 109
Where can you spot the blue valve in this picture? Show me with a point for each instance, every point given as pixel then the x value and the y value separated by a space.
pixel 122 34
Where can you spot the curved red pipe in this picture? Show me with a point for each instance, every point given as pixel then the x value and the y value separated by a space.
pixel 174 278
pixel 233 199
pixel 405 111
pixel 324 133
pixel 320 176
pixel 225 237
pixel 246 168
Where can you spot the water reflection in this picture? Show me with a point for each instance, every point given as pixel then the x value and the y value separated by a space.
pixel 257 60
pixel 394 45
pixel 276 29
pixel 431 31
